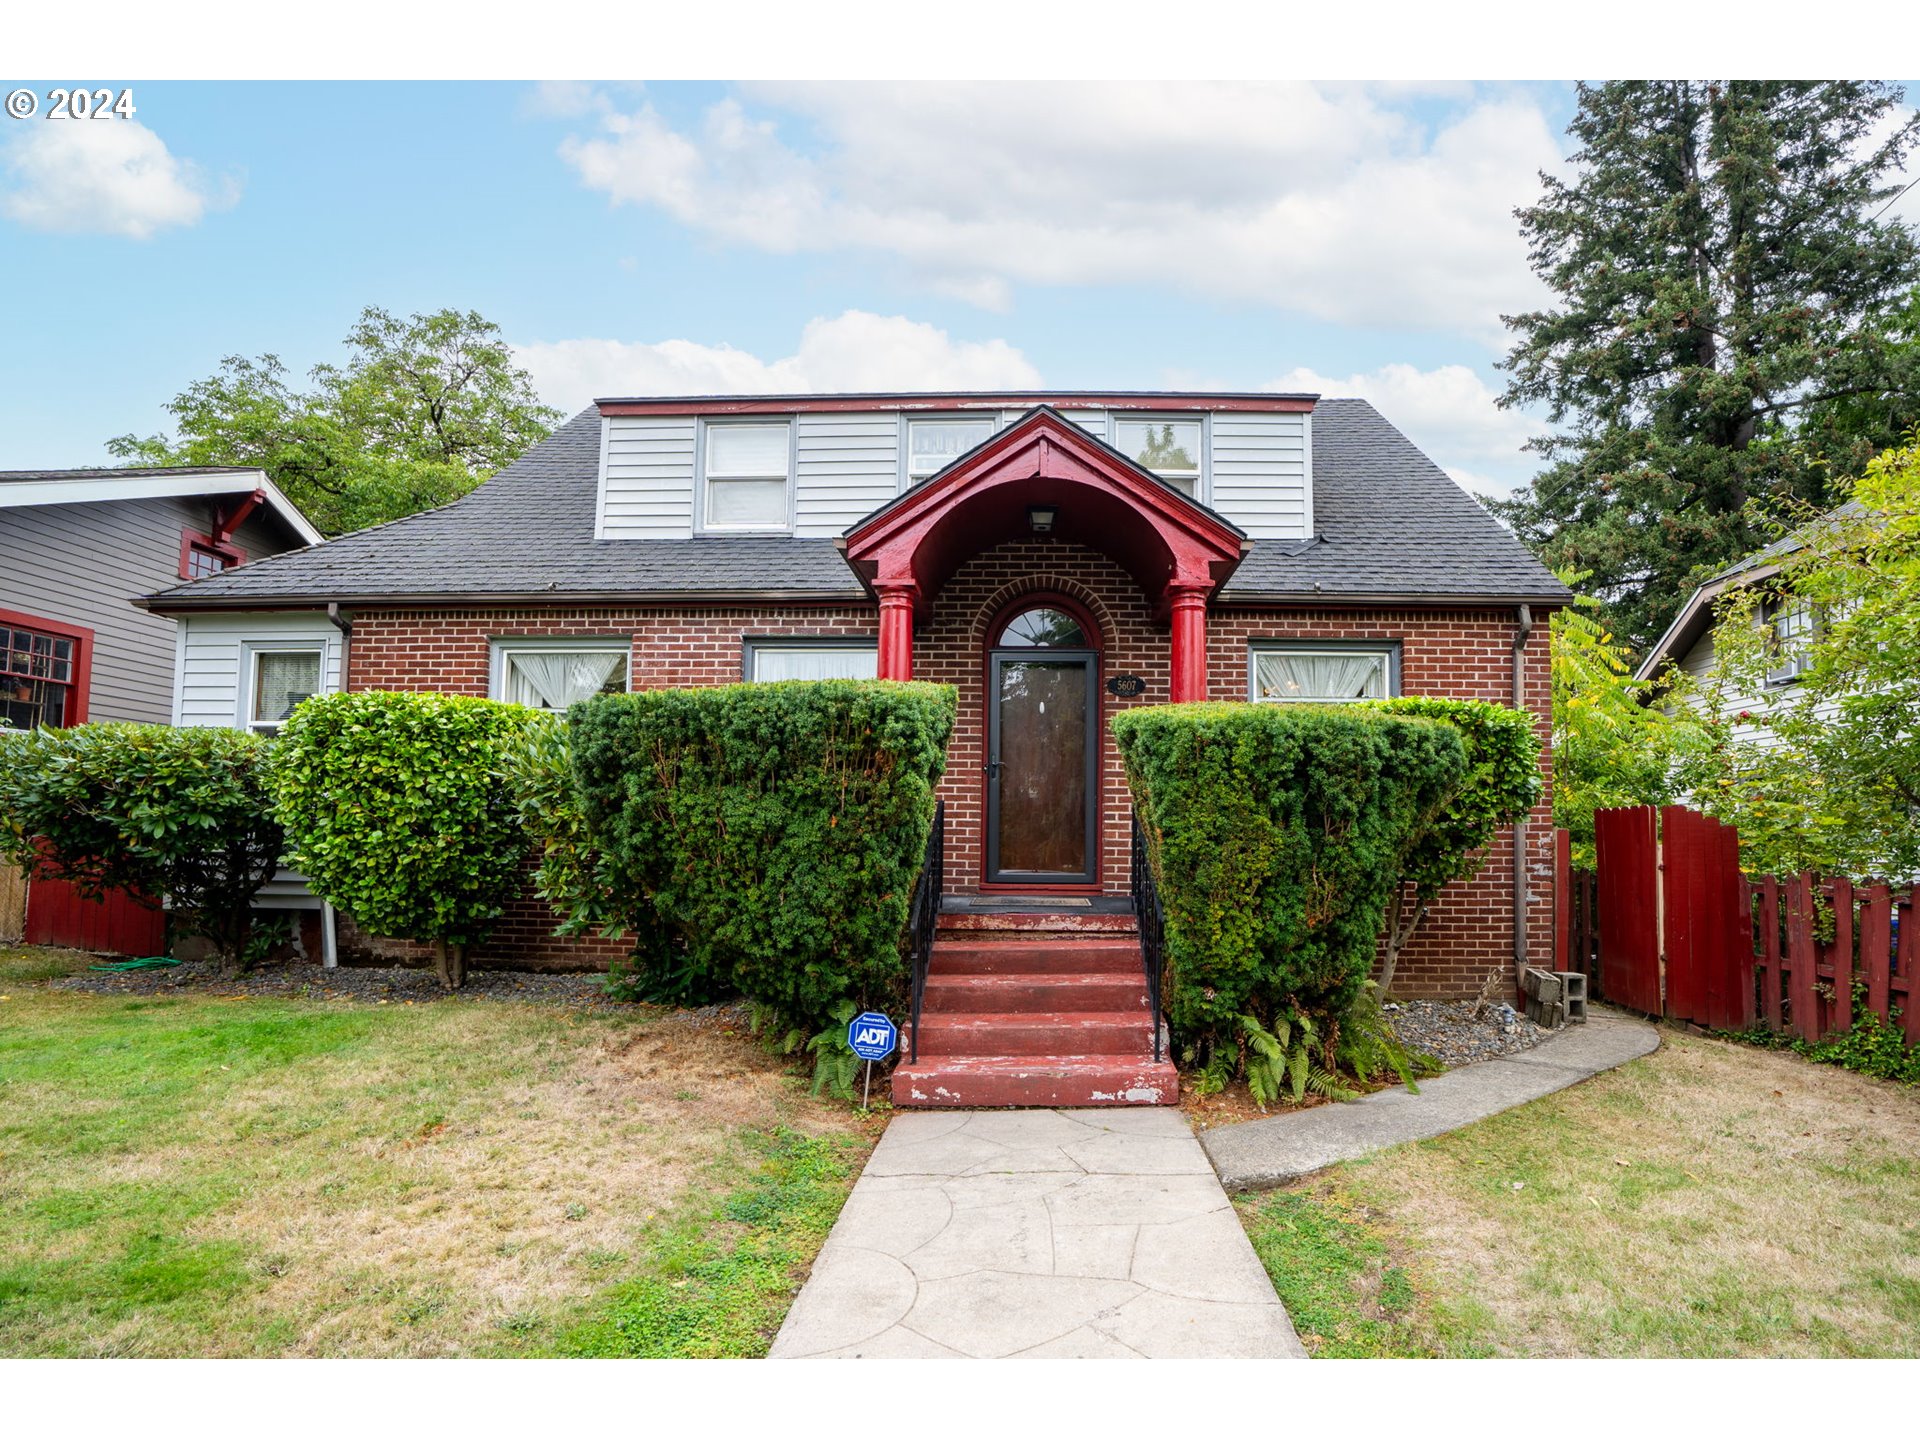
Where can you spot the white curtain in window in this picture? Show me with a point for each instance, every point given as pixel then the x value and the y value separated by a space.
pixel 282 682
pixel 1304 675
pixel 834 662
pixel 554 680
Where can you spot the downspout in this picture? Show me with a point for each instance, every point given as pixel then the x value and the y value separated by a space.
pixel 329 922
pixel 1522 631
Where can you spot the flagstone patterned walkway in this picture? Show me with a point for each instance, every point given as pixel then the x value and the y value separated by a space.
pixel 1047 1233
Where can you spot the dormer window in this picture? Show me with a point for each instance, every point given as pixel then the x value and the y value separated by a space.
pixel 1169 448
pixel 748 474
pixel 932 445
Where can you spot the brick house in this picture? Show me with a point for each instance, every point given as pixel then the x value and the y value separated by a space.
pixel 1055 556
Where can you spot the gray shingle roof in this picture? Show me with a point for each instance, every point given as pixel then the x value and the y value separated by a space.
pixel 1393 524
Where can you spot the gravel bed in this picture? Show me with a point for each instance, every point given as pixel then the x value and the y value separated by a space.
pixel 376 985
pixel 1453 1033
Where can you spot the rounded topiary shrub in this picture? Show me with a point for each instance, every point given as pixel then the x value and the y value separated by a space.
pixel 775 830
pixel 397 810
pixel 1277 833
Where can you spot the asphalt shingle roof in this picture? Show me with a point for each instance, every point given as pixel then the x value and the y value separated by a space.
pixel 1390 523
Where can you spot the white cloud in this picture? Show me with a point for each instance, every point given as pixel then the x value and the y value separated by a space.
pixel 1321 200
pixel 1449 412
pixel 855 350
pixel 103 177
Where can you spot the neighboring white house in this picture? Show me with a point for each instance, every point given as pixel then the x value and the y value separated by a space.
pixel 1792 624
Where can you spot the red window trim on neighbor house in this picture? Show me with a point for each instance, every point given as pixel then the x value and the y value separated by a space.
pixel 191 540
pixel 80 683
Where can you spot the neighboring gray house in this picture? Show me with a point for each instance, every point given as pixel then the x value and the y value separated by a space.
pixel 78 546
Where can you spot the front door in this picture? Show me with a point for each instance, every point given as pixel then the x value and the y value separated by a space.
pixel 1042 747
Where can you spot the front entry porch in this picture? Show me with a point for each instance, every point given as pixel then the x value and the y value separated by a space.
pixel 1052 582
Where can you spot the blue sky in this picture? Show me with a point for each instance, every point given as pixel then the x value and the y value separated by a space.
pixel 684 237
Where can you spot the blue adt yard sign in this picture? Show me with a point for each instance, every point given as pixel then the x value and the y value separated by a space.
pixel 871 1036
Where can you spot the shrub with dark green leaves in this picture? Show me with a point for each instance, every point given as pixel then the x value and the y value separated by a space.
pixel 397 810
pixel 1501 784
pixel 1277 833
pixel 161 813
pixel 775 830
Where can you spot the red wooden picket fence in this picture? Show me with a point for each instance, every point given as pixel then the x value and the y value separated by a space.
pixel 1683 933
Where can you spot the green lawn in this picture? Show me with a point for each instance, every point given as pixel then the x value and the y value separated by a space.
pixel 1709 1200
pixel 226 1176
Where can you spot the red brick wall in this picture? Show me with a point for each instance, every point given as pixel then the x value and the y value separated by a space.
pixel 1465 654
pixel 1462 652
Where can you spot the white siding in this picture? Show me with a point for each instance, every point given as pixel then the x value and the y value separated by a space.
pixel 207 689
pixel 1094 422
pixel 848 465
pixel 647 477
pixel 1260 473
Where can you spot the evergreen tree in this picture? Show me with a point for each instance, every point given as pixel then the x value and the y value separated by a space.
pixel 1721 266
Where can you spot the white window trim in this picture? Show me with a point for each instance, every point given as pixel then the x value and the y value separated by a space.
pixel 1389 649
pixel 1203 482
pixel 908 419
pixel 250 653
pixel 552 645
pixel 701 526
pixel 754 646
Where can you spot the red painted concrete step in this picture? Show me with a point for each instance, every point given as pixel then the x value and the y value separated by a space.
pixel 994 1081
pixel 1034 993
pixel 1036 957
pixel 1086 1032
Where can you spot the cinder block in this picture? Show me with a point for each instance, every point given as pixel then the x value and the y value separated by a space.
pixel 1573 986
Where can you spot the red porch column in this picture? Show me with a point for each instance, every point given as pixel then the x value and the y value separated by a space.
pixel 896 632
pixel 1189 605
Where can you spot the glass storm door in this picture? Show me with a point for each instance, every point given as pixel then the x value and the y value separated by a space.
pixel 1040 765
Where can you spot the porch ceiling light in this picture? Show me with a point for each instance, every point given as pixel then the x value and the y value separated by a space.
pixel 1040 517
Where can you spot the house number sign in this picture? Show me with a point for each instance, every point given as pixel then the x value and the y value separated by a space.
pixel 1126 686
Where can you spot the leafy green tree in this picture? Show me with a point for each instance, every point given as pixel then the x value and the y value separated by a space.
pixel 1825 773
pixel 424 409
pixel 1616 740
pixel 162 814
pixel 1721 266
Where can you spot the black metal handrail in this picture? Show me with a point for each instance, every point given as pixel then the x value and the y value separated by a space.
pixel 925 917
pixel 1151 921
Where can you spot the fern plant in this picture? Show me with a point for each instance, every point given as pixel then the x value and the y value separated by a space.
pixel 1283 1059
pixel 1366 1044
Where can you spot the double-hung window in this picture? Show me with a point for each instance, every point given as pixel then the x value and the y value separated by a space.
pixel 277 680
pixel 551 675
pixel 1329 673
pixel 934 444
pixel 798 658
pixel 1791 623
pixel 748 475
pixel 1170 448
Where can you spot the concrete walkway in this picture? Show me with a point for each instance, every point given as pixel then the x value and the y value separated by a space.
pixel 1260 1154
pixel 1056 1233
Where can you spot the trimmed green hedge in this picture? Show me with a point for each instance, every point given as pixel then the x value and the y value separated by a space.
pixel 398 811
pixel 775 829
pixel 1500 785
pixel 149 809
pixel 1276 833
